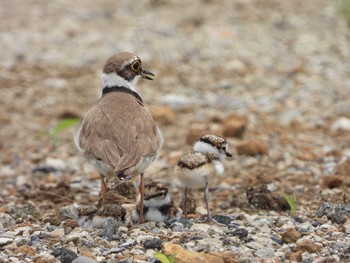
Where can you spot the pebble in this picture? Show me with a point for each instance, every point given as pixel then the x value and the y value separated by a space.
pixel 67 255
pixel 240 232
pixel 265 253
pixel 177 100
pixel 109 228
pixel 83 259
pixel 4 241
pixel 207 228
pixel 341 124
pixel 252 148
pixel 222 219
pixel 154 243
pixel 24 211
pixel 128 243
pixel 6 221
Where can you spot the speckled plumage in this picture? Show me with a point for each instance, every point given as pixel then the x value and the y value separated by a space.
pixel 193 160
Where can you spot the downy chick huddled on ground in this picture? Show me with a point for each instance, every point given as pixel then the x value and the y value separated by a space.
pixel 158 205
pixel 195 168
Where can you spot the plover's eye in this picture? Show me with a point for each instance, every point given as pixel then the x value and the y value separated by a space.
pixel 136 66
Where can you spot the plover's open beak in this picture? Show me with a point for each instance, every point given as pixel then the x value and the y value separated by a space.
pixel 146 74
pixel 228 154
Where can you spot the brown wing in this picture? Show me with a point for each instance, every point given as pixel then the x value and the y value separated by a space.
pixel 119 130
pixel 192 160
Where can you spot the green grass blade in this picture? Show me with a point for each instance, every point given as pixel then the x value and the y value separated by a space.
pixel 171 258
pixel 64 124
pixel 161 257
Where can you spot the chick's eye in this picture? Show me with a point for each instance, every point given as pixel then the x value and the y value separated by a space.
pixel 135 66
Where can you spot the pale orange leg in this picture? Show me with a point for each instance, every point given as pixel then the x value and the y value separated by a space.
pixel 103 191
pixel 142 194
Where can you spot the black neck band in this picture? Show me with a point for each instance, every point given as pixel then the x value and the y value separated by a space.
pixel 121 89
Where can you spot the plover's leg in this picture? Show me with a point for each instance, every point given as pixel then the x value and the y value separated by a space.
pixel 184 201
pixel 142 194
pixel 206 199
pixel 103 192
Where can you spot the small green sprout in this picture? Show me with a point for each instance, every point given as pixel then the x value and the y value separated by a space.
pixel 292 202
pixel 60 127
pixel 344 9
pixel 163 258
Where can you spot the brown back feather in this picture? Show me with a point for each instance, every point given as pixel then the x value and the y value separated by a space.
pixel 119 130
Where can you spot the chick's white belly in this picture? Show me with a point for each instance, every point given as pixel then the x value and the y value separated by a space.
pixel 195 178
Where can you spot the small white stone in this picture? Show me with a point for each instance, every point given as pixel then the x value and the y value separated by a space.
pixel 201 211
pixel 4 241
pixel 57 232
pixel 56 163
pixel 342 124
pixel 254 245
pixel 205 228
pixel 265 253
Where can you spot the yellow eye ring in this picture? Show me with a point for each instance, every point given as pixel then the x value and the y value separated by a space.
pixel 136 66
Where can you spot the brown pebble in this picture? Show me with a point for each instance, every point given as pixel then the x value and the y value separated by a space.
pixel 332 181
pixel 309 246
pixel 25 249
pixel 193 135
pixel 41 259
pixel 343 168
pixel 291 235
pixel 163 114
pixel 70 223
pixel 235 126
pixel 252 147
pixel 296 256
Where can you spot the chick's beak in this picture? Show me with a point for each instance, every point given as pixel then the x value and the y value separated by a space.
pixel 146 74
pixel 228 154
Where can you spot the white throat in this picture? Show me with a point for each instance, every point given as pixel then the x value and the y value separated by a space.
pixel 204 147
pixel 112 79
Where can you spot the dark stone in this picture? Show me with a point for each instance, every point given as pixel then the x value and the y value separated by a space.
pixel 109 227
pixel 226 220
pixel 316 223
pixel 34 239
pixel 324 209
pixel 67 255
pixel 225 205
pixel 184 221
pixel 154 243
pixel 338 218
pixel 233 226
pixel 299 219
pixel 262 198
pixel 194 238
pixel 277 240
pixel 44 169
pixel 240 232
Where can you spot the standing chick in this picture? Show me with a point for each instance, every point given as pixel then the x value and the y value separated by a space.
pixel 118 135
pixel 194 168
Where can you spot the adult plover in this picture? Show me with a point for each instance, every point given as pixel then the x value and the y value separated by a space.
pixel 195 168
pixel 118 135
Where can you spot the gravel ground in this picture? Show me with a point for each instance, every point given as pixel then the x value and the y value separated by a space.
pixel 273 77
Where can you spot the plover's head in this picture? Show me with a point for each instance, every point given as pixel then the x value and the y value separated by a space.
pixel 123 70
pixel 156 194
pixel 210 143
